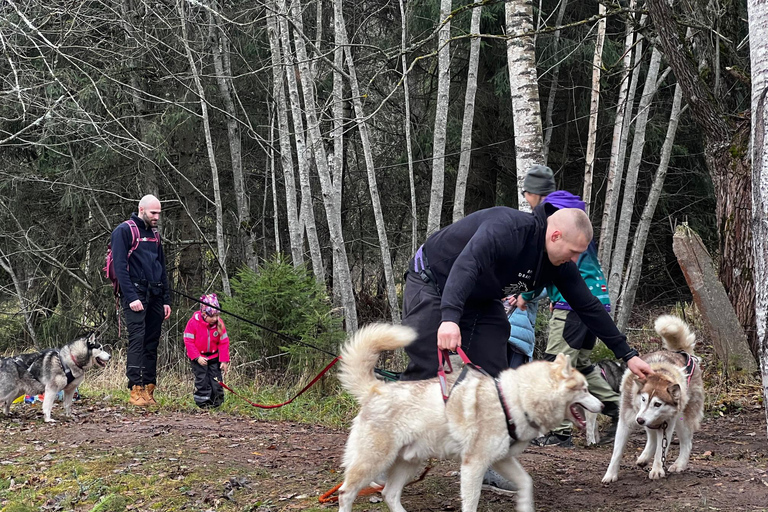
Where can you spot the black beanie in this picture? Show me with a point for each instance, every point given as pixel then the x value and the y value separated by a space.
pixel 539 180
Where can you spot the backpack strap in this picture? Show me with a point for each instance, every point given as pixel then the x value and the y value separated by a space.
pixel 134 237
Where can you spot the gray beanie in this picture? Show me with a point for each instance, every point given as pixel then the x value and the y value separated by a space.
pixel 539 180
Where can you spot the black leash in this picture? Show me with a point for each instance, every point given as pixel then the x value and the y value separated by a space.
pixel 386 374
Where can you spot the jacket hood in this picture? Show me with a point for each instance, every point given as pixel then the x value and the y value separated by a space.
pixel 564 199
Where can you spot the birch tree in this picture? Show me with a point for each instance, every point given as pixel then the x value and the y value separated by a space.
pixel 386 257
pixel 620 141
pixel 623 307
pixel 220 242
pixel 441 118
pixel 408 148
pixel 758 50
pixel 347 297
pixel 295 229
pixel 469 114
pixel 307 212
pixel 524 88
pixel 633 169
pixel 597 65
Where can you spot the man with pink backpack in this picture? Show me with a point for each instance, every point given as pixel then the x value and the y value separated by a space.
pixel 136 265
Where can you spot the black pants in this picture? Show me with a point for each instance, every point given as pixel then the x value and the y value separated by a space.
pixel 143 337
pixel 208 392
pixel 484 331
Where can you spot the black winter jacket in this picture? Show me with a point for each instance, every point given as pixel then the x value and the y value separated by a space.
pixel 146 265
pixel 500 251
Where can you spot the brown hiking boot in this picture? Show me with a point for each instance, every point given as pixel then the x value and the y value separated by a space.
pixel 138 396
pixel 149 393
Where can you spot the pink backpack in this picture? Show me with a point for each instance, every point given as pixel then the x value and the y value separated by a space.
pixel 109 267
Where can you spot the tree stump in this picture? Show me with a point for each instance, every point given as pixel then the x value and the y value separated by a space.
pixel 719 317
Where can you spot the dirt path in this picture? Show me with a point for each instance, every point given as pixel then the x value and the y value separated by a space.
pixel 219 462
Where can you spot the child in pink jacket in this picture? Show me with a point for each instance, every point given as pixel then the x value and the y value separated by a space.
pixel 207 345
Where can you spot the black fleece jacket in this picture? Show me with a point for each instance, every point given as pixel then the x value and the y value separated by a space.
pixel 147 262
pixel 500 251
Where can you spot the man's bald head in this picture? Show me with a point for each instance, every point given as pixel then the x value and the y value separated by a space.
pixel 569 233
pixel 149 210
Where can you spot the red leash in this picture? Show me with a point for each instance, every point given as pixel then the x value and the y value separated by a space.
pixel 274 406
pixel 445 354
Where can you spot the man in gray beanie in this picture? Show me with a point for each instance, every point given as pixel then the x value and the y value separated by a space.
pixel 539 183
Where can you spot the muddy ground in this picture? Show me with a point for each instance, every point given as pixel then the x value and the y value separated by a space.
pixel 162 460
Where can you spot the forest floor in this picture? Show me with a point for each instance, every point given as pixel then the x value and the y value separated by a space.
pixel 114 457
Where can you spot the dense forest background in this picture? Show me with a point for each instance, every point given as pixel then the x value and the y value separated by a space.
pixel 269 128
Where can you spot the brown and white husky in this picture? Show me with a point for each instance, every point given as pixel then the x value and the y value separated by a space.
pixel 670 399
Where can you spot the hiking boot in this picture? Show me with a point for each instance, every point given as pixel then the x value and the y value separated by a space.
pixel 555 439
pixel 138 396
pixel 149 393
pixel 494 482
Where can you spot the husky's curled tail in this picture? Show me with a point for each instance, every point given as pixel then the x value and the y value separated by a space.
pixel 360 353
pixel 675 334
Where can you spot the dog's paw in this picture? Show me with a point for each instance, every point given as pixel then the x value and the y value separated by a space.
pixel 610 477
pixel 50 420
pixel 655 474
pixel 677 468
pixel 642 461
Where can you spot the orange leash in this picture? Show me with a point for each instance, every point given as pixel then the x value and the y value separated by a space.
pixel 328 498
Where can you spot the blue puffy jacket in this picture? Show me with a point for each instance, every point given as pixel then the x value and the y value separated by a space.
pixel 522 335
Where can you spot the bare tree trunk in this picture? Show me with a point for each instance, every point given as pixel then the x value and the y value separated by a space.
pixel 623 307
pixel 220 242
pixel 624 108
pixel 221 63
pixel 6 265
pixel 295 231
pixel 441 118
pixel 597 65
pixel 275 209
pixel 302 153
pixel 337 132
pixel 549 126
pixel 407 101
pixel 386 257
pixel 630 185
pixel 326 183
pixel 469 114
pixel 524 88
pixel 758 49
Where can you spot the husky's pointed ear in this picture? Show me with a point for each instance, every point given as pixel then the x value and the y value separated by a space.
pixel 564 361
pixel 674 391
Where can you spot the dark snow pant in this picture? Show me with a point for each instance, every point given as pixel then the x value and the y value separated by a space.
pixel 208 392
pixel 143 336
pixel 484 331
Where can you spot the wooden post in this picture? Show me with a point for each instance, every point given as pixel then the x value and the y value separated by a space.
pixel 719 317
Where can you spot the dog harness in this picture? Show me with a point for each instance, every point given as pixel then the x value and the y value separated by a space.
pixel 690 365
pixel 441 372
pixel 67 369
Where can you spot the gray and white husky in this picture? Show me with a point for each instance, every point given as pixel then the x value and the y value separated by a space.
pixel 672 399
pixel 49 371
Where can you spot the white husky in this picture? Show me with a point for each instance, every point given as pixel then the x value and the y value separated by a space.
pixel 402 424
pixel 673 397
